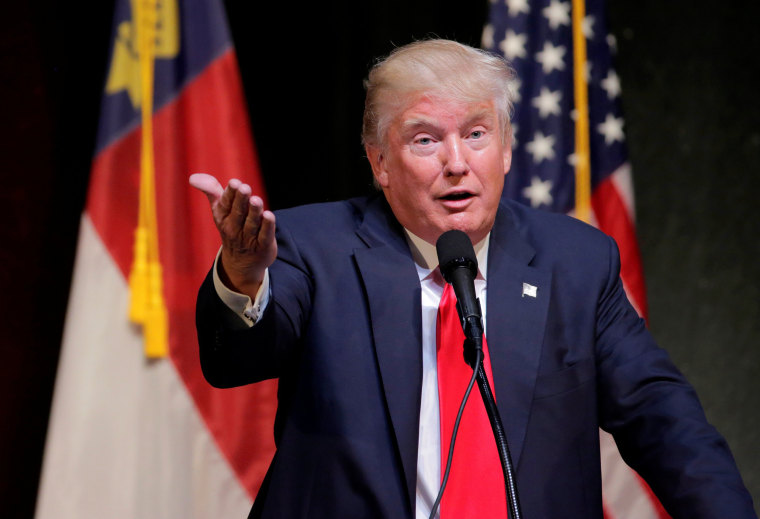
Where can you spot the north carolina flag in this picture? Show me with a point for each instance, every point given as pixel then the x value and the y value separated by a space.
pixel 144 436
pixel 569 156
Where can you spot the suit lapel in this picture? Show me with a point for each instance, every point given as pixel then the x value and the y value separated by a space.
pixel 516 321
pixel 393 294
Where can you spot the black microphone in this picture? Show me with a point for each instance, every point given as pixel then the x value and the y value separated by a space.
pixel 459 267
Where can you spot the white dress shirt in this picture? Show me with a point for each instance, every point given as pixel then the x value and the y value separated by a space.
pixel 249 311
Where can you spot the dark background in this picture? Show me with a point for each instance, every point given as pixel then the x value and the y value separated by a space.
pixel 689 72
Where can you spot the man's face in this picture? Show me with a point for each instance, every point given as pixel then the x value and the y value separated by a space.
pixel 443 167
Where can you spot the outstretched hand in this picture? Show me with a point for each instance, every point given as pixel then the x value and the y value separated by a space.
pixel 246 229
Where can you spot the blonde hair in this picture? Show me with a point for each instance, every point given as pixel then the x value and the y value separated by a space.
pixel 439 68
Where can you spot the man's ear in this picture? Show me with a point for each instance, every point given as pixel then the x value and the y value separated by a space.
pixel 508 153
pixel 377 162
pixel 507 159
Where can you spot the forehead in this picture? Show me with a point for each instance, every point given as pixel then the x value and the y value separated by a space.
pixel 426 110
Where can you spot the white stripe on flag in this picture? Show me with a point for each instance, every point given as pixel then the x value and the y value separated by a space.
pixel 622 179
pixel 125 439
pixel 624 497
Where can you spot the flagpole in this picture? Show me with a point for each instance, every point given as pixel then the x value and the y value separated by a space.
pixel 582 154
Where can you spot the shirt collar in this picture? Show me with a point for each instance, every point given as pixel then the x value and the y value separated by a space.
pixel 426 257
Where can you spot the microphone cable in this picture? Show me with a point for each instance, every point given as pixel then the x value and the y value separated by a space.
pixel 478 365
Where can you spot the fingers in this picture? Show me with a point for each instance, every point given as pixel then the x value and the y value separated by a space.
pixel 239 203
pixel 226 201
pixel 266 232
pixel 246 258
pixel 242 222
pixel 231 209
pixel 253 216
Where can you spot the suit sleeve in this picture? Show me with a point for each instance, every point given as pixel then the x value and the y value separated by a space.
pixel 234 354
pixel 656 418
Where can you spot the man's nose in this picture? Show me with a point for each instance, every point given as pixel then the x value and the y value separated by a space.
pixel 455 162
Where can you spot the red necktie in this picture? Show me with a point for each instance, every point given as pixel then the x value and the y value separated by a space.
pixel 476 485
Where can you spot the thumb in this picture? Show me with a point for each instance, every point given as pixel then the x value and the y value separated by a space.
pixel 208 184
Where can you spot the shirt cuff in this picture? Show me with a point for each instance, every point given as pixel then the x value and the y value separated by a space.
pixel 250 312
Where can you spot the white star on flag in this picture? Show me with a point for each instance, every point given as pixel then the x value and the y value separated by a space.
pixel 547 102
pixel 538 192
pixel 611 84
pixel 551 57
pixel 513 45
pixel 486 40
pixel 516 7
pixel 612 42
pixel 558 13
pixel 573 159
pixel 612 129
pixel 541 147
pixel 587 27
pixel 516 95
pixel 514 135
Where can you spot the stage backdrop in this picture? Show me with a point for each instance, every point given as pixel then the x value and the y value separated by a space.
pixel 688 71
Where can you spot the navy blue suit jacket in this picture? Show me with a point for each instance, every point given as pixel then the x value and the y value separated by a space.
pixel 343 335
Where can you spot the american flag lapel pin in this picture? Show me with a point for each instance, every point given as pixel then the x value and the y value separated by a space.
pixel 529 290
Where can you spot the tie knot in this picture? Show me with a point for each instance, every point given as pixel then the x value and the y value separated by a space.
pixel 437 277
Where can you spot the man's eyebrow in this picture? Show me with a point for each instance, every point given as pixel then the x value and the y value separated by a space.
pixel 416 123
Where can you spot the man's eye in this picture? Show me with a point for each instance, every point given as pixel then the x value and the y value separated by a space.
pixel 477 134
pixel 424 141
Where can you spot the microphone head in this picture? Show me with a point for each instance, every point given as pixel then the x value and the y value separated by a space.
pixel 454 251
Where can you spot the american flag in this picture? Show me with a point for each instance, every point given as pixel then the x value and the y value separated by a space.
pixel 536 36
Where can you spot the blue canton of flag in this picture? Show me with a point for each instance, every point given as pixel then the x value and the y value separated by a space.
pixel 536 37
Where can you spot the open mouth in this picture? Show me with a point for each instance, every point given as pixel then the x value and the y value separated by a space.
pixel 457 196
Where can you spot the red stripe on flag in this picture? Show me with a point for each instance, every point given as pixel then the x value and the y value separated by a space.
pixel 661 513
pixel 205 129
pixel 613 219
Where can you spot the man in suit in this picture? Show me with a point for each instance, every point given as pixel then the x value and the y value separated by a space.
pixel 339 303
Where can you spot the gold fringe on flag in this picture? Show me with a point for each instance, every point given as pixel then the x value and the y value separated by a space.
pixel 582 153
pixel 147 306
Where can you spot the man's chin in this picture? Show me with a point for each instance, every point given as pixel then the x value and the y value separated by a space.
pixel 468 223
pixel 476 230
